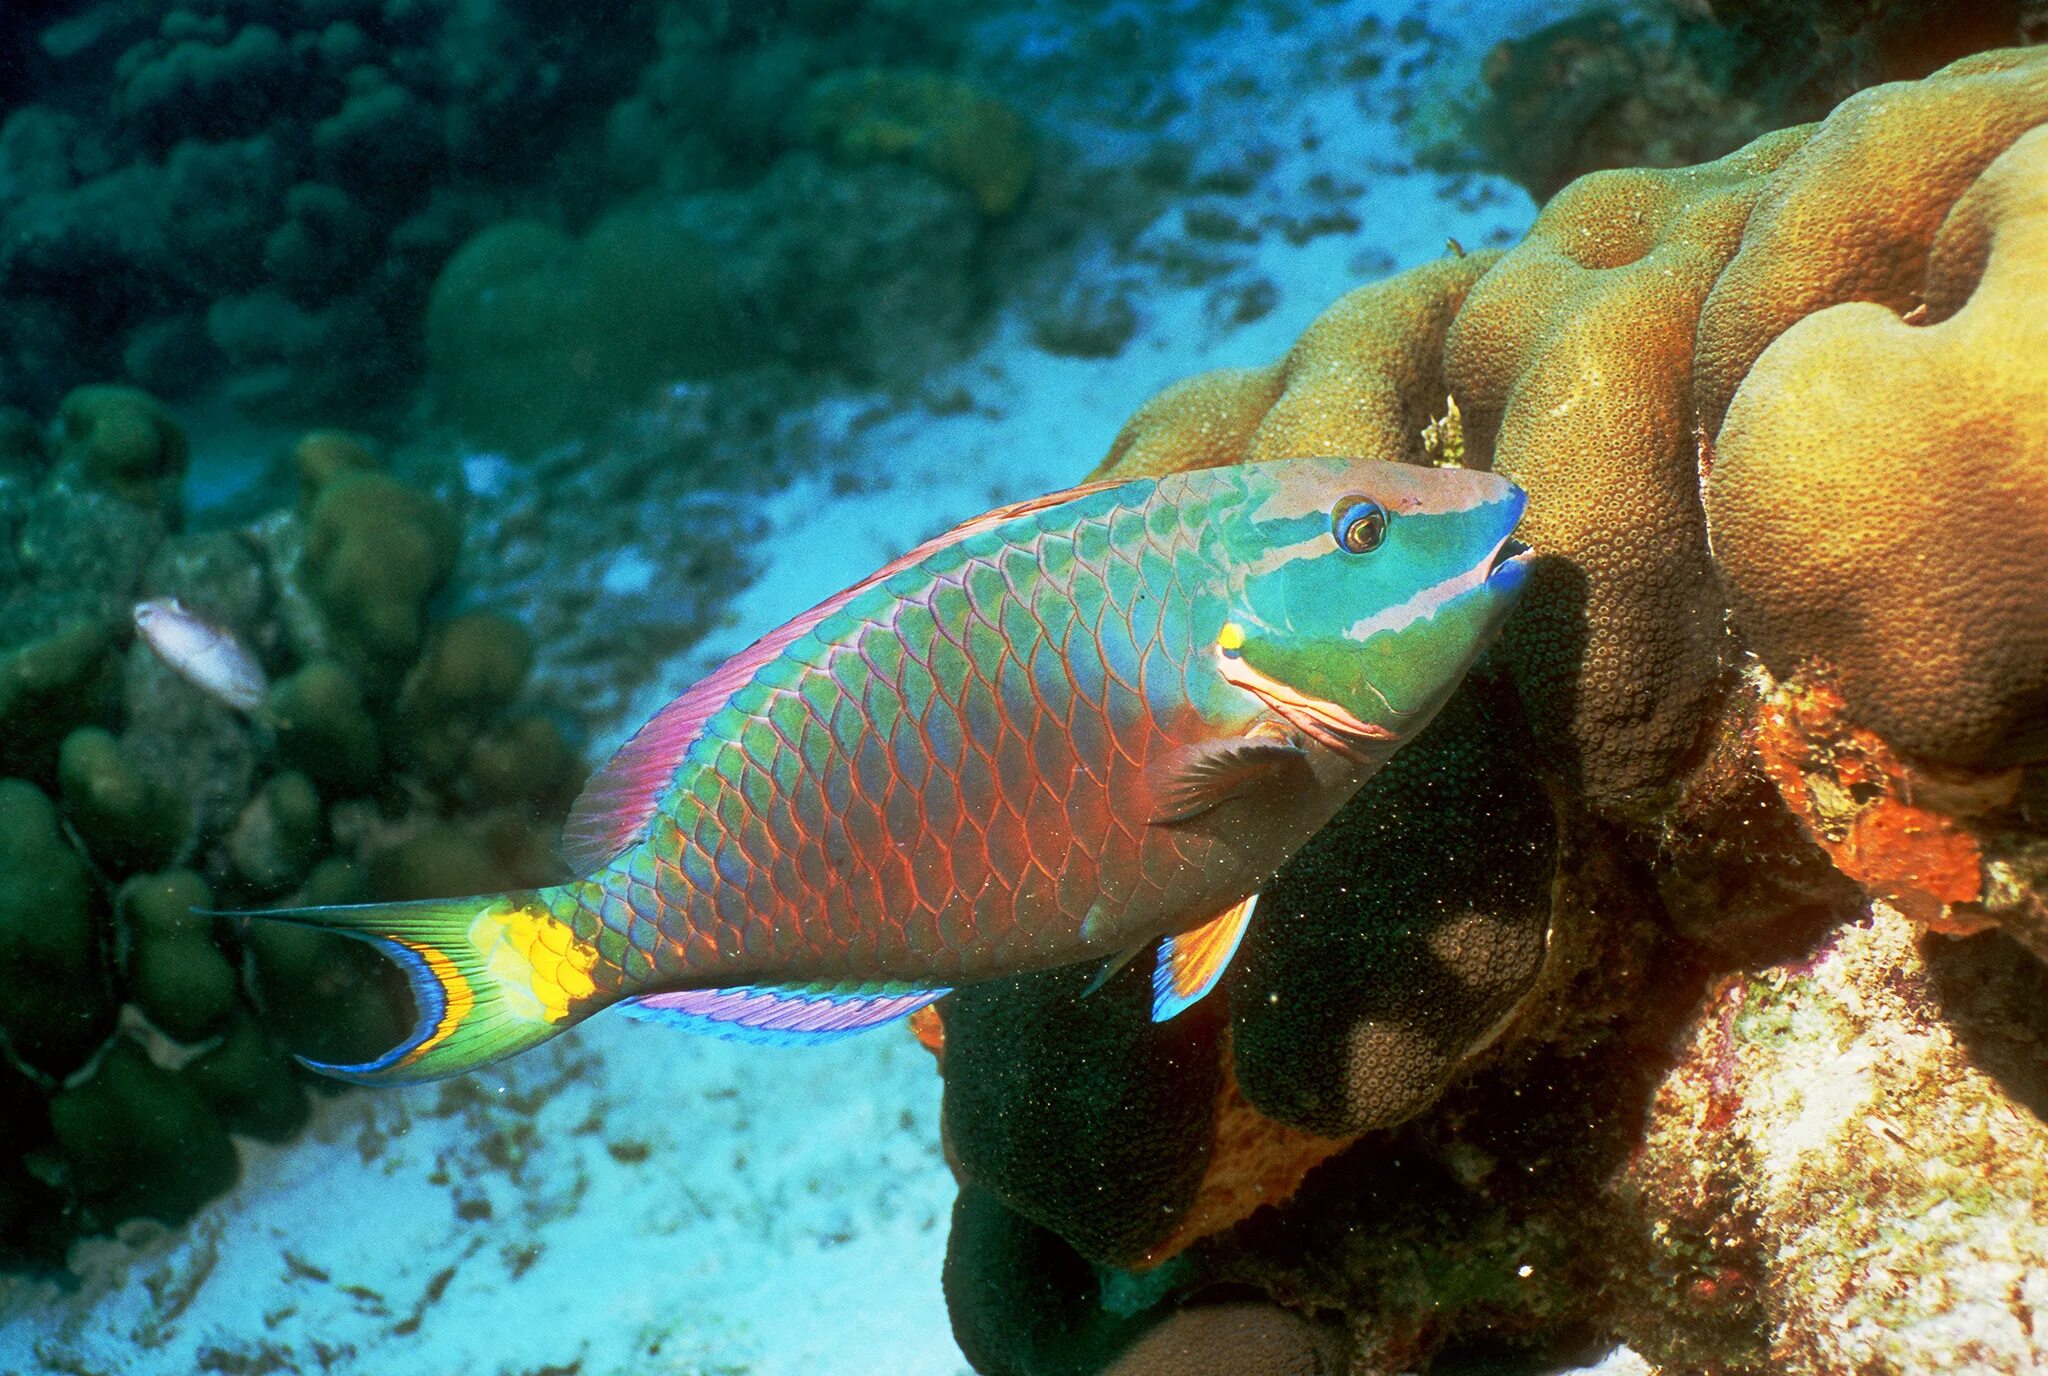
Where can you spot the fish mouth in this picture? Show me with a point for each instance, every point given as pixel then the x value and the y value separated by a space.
pixel 1509 553
pixel 1325 722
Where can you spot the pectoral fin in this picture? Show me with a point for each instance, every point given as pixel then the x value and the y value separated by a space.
pixel 1187 782
pixel 1191 963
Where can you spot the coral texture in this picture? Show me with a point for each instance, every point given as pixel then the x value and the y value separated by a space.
pixel 388 758
pixel 1857 1139
pixel 1782 659
pixel 1827 511
pixel 224 198
pixel 1663 85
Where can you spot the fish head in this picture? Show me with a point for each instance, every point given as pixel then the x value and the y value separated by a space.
pixel 1364 590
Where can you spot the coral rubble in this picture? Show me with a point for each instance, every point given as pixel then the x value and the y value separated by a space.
pixel 1675 988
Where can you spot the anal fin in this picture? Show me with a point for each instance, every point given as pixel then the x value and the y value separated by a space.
pixel 784 1015
pixel 1191 963
pixel 1110 968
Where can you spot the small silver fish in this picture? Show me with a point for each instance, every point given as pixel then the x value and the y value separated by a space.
pixel 202 653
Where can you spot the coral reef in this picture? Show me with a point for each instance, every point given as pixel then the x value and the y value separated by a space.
pixel 574 207
pixel 1666 83
pixel 136 1030
pixel 934 121
pixel 304 174
pixel 1773 704
pixel 1951 668
pixel 1829 1127
pixel 1243 1336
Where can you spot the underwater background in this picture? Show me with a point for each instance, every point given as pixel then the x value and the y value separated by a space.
pixel 491 370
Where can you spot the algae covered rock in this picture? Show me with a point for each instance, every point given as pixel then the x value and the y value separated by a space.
pixel 323 727
pixel 119 438
pixel 129 820
pixel 526 760
pixel 532 335
pixel 470 672
pixel 938 122
pixel 183 984
pixel 376 551
pixel 149 771
pixel 176 974
pixel 1855 1140
pixel 55 1007
pixel 327 454
pixel 136 1140
pixel 50 684
pixel 279 834
pixel 250 1082
pixel 441 861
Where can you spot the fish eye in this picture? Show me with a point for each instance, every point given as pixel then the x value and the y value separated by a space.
pixel 1360 525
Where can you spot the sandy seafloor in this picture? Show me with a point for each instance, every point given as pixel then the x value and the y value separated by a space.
pixel 630 1199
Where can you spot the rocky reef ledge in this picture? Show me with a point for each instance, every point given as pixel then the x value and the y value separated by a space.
pixel 1682 987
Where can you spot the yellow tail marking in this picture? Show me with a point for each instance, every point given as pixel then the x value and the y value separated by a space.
pixel 454 987
pixel 539 964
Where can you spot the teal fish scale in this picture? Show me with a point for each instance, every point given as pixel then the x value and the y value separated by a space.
pixel 942 779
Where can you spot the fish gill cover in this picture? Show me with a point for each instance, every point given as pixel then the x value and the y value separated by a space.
pixel 1607 1014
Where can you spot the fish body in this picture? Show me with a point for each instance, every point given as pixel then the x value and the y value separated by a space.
pixel 202 653
pixel 1062 732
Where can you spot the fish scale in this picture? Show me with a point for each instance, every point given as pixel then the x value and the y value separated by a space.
pixel 1064 731
pixel 994 620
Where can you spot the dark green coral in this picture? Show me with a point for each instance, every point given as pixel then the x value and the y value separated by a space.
pixel 136 1139
pixel 128 819
pixel 121 771
pixel 376 551
pixel 54 1001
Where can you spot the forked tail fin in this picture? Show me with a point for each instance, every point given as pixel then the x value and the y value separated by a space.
pixel 489 976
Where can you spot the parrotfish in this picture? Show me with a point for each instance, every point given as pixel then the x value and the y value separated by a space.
pixel 201 653
pixel 1074 729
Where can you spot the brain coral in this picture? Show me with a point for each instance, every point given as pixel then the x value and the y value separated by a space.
pixel 1903 545
pixel 1780 421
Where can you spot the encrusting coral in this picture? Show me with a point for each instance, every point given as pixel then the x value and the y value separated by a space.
pixel 387 760
pixel 532 336
pixel 1783 665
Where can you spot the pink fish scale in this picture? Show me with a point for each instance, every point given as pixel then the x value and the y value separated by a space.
pixel 958 786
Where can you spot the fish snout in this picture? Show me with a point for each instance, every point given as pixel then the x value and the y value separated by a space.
pixel 1507 563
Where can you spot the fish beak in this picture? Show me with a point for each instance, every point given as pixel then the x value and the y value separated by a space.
pixel 1509 568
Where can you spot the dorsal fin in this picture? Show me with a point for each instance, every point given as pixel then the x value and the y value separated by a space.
pixel 615 807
